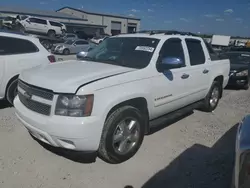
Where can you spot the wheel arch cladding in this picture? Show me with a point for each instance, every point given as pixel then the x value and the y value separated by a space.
pixel 220 79
pixel 139 103
pixel 10 81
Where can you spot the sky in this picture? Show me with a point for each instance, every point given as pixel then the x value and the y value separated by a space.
pixel 227 17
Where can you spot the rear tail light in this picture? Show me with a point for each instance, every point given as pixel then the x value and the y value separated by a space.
pixel 52 58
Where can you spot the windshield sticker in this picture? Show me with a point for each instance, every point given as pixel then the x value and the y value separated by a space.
pixel 245 55
pixel 145 48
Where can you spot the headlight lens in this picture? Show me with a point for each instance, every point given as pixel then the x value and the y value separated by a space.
pixel 74 105
pixel 60 47
pixel 242 73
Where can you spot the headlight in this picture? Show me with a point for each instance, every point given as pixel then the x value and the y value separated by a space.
pixel 60 47
pixel 242 73
pixel 74 105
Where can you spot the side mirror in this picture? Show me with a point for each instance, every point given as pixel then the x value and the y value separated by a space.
pixel 170 63
pixel 81 55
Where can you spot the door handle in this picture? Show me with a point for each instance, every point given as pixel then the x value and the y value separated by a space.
pixel 205 71
pixel 185 76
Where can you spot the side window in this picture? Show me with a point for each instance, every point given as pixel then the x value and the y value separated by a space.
pixel 196 53
pixel 21 46
pixel 81 42
pixel 172 48
pixel 213 55
pixel 55 24
pixel 33 20
pixel 38 21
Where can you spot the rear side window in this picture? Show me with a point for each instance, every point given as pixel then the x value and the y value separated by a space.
pixel 55 24
pixel 196 53
pixel 81 42
pixel 39 21
pixel 20 46
pixel 213 55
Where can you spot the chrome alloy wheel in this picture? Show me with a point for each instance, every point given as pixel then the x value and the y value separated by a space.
pixel 214 97
pixel 126 135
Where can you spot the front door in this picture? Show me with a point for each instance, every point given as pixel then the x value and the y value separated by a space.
pixel 30 24
pixel 171 87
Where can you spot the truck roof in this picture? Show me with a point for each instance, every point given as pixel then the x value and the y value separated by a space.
pixel 161 34
pixel 16 34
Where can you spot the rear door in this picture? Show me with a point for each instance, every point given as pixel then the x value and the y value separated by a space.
pixel 57 27
pixel 199 69
pixel 42 26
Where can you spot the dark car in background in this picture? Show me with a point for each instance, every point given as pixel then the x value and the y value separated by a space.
pixel 240 49
pixel 239 68
pixel 88 33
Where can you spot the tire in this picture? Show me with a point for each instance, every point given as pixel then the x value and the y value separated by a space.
pixel 112 151
pixel 66 52
pixel 246 87
pixel 51 33
pixel 208 105
pixel 11 91
pixel 22 29
pixel 63 32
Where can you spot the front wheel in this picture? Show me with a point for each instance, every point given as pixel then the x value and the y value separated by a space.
pixel 246 87
pixel 122 135
pixel 51 33
pixel 66 52
pixel 212 99
pixel 11 92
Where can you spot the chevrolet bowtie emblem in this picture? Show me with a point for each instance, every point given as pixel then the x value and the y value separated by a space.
pixel 27 95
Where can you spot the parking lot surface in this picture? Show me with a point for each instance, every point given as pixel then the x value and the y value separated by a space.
pixel 65 57
pixel 196 151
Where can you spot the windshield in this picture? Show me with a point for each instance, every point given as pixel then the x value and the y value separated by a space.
pixel 236 58
pixel 23 17
pixel 9 19
pixel 70 42
pixel 133 52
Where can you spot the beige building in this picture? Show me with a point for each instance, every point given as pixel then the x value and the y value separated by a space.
pixel 112 24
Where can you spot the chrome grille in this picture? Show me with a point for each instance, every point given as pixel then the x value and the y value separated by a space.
pixel 35 106
pixel 35 91
pixel 25 97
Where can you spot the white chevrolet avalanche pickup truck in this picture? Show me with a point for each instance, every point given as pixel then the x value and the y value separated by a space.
pixel 108 101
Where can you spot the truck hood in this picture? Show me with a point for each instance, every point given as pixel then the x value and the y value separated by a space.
pixel 239 67
pixel 68 76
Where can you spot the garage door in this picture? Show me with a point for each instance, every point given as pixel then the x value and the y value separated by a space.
pixel 116 28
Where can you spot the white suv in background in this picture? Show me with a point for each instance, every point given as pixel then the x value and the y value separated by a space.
pixel 38 25
pixel 17 53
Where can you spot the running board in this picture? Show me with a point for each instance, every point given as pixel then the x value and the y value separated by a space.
pixel 172 116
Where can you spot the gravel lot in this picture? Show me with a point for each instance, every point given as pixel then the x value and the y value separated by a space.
pixel 196 151
pixel 65 57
